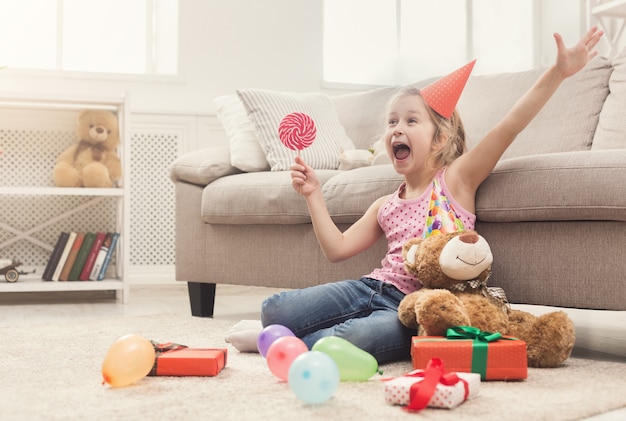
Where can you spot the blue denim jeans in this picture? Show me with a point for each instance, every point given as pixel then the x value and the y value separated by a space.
pixel 364 312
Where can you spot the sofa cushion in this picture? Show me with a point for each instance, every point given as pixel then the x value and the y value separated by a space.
pixel 269 198
pixel 256 198
pixel 578 102
pixel 245 150
pixel 362 114
pixel 611 131
pixel 266 109
pixel 349 193
pixel 569 186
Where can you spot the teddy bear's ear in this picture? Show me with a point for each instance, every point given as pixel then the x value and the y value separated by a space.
pixel 409 250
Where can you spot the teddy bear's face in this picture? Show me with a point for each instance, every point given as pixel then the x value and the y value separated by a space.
pixel 445 259
pixel 98 127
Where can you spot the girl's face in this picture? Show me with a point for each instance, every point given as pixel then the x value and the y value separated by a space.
pixel 409 134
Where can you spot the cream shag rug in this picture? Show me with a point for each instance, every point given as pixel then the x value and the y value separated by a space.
pixel 53 372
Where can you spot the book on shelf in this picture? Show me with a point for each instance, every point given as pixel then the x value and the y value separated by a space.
pixel 71 258
pixel 91 257
pixel 64 255
pixel 97 265
pixel 55 256
pixel 81 257
pixel 107 258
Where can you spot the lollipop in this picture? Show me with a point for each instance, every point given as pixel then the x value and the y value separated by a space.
pixel 297 131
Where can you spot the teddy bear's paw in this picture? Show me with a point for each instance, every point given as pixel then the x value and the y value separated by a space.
pixel 485 314
pixel 65 175
pixel 551 341
pixel 440 311
pixel 407 317
pixel 96 175
pixel 406 310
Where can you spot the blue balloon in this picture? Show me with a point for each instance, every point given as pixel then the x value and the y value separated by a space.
pixel 313 377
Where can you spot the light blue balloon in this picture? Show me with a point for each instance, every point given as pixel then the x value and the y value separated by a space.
pixel 313 377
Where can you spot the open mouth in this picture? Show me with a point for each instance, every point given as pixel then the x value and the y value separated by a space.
pixel 401 151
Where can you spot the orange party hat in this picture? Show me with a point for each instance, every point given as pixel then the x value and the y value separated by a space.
pixel 443 94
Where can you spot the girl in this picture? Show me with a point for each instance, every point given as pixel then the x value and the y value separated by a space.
pixel 428 149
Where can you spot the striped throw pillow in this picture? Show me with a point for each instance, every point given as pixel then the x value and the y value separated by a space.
pixel 266 109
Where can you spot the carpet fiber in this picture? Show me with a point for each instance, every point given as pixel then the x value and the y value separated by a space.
pixel 53 372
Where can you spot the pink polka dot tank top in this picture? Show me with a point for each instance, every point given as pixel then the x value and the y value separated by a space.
pixel 402 219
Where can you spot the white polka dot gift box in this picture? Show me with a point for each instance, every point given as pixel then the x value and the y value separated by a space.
pixel 432 387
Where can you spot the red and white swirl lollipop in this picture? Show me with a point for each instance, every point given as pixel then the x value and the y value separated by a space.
pixel 297 131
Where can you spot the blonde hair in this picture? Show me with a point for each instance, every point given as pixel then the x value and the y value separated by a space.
pixel 451 128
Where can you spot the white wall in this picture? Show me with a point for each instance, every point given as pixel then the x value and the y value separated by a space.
pixel 274 44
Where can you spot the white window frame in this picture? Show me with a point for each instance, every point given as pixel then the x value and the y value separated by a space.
pixel 149 74
pixel 536 43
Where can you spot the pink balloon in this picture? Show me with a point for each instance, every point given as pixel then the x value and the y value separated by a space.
pixel 269 335
pixel 282 353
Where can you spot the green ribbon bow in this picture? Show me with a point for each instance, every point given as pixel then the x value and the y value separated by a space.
pixel 469 332
pixel 480 345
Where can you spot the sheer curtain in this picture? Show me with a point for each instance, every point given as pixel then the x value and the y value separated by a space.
pixel 386 42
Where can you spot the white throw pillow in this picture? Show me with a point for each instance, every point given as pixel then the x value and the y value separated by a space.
pixel 245 150
pixel 266 109
pixel 611 123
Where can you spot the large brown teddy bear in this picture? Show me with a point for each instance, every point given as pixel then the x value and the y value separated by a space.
pixel 92 161
pixel 453 269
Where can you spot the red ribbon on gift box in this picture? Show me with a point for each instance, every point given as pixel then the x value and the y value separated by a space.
pixel 421 392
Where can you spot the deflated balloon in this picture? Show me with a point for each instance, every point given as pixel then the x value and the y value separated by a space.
pixel 354 364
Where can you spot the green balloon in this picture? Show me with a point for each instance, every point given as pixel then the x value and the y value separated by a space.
pixel 354 364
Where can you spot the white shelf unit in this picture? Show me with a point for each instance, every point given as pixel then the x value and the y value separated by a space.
pixel 12 188
pixel 610 16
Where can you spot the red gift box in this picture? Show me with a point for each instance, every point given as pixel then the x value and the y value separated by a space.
pixel 179 360
pixel 467 349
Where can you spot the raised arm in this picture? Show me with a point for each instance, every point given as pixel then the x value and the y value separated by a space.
pixel 475 166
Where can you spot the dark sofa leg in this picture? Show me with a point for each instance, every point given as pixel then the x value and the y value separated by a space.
pixel 201 298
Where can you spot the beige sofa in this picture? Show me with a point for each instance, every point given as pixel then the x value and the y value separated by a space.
pixel 553 210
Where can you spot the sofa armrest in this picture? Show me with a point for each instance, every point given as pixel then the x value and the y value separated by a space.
pixel 203 166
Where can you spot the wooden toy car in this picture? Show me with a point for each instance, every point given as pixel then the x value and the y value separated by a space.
pixel 8 269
